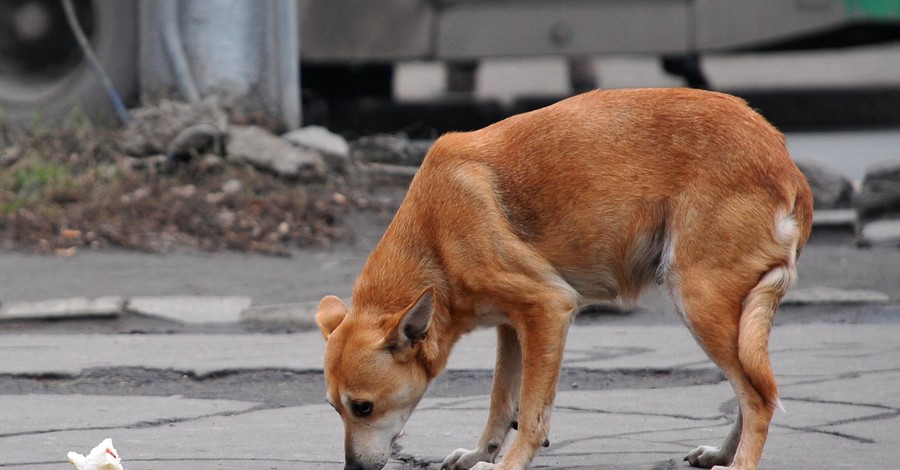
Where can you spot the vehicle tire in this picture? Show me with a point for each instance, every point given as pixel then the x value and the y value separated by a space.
pixel 44 74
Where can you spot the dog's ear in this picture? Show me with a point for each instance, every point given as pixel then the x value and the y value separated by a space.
pixel 413 324
pixel 331 313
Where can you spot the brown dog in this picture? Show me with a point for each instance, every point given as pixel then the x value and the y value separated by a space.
pixel 516 224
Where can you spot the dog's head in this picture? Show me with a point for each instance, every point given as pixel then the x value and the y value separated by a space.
pixel 372 373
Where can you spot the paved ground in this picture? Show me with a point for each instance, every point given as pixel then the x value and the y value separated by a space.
pixel 839 385
pixel 180 378
pixel 636 391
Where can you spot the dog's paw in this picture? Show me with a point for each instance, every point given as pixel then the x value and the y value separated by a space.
pixel 484 466
pixel 707 457
pixel 464 459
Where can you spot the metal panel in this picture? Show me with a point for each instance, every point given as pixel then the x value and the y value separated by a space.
pixel 874 9
pixel 474 29
pixel 731 24
pixel 365 30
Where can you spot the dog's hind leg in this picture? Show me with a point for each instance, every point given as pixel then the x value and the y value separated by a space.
pixel 733 329
pixel 504 404
pixel 714 320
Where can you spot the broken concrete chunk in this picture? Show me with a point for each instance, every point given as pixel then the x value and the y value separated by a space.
pixel 264 150
pixel 154 128
pixel 321 139
pixel 301 314
pixel 830 295
pixel 192 309
pixel 878 202
pixel 834 218
pixel 831 190
pixel 881 233
pixel 879 196
pixel 74 307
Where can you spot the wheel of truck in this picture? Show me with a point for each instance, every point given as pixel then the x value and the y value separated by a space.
pixel 43 72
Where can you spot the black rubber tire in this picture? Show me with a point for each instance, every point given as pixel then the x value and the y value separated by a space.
pixel 114 32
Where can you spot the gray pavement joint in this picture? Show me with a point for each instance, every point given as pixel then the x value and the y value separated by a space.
pixel 143 424
pixel 638 413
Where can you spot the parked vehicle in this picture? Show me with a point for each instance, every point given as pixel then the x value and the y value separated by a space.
pixel 349 47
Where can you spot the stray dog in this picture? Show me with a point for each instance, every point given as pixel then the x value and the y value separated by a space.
pixel 517 224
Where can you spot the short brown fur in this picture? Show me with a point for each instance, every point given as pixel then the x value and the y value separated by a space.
pixel 594 197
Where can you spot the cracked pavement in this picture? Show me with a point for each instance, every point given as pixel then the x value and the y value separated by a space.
pixel 635 392
pixel 839 384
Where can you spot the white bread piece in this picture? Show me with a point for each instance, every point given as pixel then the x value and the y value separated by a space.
pixel 102 457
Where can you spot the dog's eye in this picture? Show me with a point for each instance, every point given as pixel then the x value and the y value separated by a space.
pixel 362 408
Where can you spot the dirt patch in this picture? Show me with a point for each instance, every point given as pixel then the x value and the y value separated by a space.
pixel 74 188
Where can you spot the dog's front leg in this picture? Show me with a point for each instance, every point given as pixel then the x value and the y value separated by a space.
pixel 543 339
pixel 504 403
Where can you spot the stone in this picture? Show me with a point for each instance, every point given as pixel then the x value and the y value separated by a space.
pixel 334 148
pixel 880 233
pixel 834 218
pixel 301 313
pixel 192 309
pixel 266 151
pixel 232 186
pixel 154 129
pixel 74 307
pixel 831 190
pixel 830 295
pixel 391 149
pixel 879 197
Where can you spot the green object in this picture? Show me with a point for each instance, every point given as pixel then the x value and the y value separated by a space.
pixel 876 9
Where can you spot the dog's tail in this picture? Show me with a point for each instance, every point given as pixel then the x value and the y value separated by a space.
pixel 759 310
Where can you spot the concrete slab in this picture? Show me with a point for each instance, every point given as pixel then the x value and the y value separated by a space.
pixel 882 232
pixel 874 388
pixel 590 346
pixel 574 434
pixel 694 403
pixel 301 314
pixel 816 414
pixel 192 309
pixel 830 295
pixel 273 438
pixel 38 414
pixel 600 346
pixel 306 275
pixel 199 354
pixel 794 348
pixel 811 352
pixel 73 307
pixel 614 429
pixel 838 384
pixel 834 218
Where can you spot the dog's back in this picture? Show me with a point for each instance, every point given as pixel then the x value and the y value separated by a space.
pixel 600 183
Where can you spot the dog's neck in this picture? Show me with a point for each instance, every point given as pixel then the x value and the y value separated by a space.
pixel 405 261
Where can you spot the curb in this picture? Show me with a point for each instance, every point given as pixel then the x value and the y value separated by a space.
pixel 199 310
pixel 195 310
pixel 300 314
pixel 58 309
